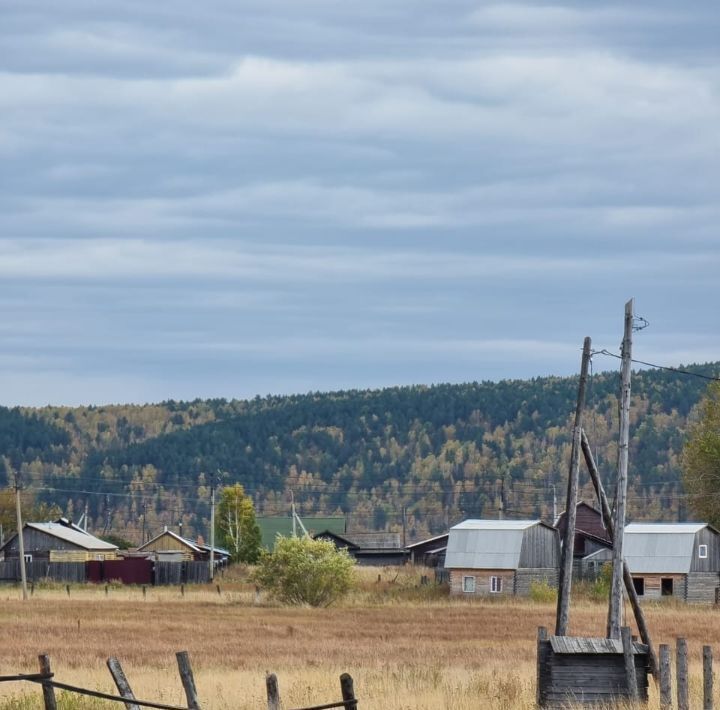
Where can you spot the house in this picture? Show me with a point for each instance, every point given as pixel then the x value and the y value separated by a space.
pixel 501 556
pixel 370 548
pixel 272 526
pixel 591 537
pixel 168 546
pixel 429 552
pixel 59 541
pixel 680 560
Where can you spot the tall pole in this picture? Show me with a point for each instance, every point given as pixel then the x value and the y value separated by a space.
pixel 212 531
pixel 616 588
pixel 568 545
pixel 21 541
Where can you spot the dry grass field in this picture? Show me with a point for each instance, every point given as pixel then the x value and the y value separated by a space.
pixel 406 647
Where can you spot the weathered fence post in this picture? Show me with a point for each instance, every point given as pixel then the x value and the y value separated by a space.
pixel 107 590
pixel 681 668
pixel 144 588
pixel 273 692
pixel 182 590
pixel 217 586
pixel 348 691
pixel 629 656
pixel 48 690
pixel 67 589
pixel 707 678
pixel 188 682
pixel 121 682
pixel 542 636
pixel 665 678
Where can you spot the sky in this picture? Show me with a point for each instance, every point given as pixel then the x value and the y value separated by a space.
pixel 236 198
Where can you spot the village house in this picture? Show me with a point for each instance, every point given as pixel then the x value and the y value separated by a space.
pixel 591 537
pixel 369 548
pixel 501 556
pixel 680 560
pixel 60 541
pixel 168 546
pixel 429 552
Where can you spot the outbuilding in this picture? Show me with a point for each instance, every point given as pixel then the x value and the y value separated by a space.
pixel 501 556
pixel 680 560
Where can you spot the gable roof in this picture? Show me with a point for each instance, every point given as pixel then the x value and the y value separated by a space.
pixel 175 536
pixel 487 544
pixel 79 538
pixel 660 547
pixel 427 540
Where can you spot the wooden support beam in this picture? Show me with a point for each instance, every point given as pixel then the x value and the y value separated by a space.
pixel 562 619
pixel 665 678
pixel 616 586
pixel 188 681
pixel 707 678
pixel 48 690
pixel 273 691
pixel 627 577
pixel 681 668
pixel 121 681
pixel 542 636
pixel 629 657
pixel 348 691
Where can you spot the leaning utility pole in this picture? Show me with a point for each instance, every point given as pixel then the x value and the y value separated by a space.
pixel 616 588
pixel 21 541
pixel 568 545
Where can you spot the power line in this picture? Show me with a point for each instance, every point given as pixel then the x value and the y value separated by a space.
pixel 659 367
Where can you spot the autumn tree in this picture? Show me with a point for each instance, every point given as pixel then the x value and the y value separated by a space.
pixel 236 527
pixel 701 459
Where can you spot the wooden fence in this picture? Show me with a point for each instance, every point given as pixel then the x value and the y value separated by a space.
pixel 46 678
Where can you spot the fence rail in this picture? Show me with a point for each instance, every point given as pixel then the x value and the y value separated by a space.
pixel 46 678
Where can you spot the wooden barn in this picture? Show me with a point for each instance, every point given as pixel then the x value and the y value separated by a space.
pixel 501 556
pixel 590 537
pixel 57 542
pixel 429 552
pixel 680 560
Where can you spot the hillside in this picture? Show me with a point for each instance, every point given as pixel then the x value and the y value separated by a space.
pixel 442 452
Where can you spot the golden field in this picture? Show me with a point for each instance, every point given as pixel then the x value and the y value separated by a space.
pixel 405 646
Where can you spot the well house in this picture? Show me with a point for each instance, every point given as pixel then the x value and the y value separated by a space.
pixel 501 556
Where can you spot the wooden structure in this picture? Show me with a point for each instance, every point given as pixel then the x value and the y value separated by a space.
pixel 588 671
pixel 591 535
pixel 429 552
pixel 57 542
pixel 674 560
pixel 372 548
pixel 168 546
pixel 501 556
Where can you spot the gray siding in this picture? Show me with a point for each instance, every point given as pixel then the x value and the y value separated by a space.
pixel 701 587
pixel 540 548
pixel 711 563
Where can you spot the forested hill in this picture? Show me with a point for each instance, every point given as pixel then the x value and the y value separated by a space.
pixel 443 452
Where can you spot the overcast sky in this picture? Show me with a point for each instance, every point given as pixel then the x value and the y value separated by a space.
pixel 228 198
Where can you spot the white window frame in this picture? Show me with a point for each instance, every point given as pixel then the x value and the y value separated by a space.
pixel 702 552
pixel 496 584
pixel 468 584
pixel 28 558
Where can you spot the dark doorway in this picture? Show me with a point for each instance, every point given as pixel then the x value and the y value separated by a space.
pixel 666 586
pixel 639 584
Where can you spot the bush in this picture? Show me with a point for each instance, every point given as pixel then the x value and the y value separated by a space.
pixel 301 570
pixel 600 590
pixel 542 591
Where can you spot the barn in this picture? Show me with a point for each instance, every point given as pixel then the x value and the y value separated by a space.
pixel 680 560
pixel 501 556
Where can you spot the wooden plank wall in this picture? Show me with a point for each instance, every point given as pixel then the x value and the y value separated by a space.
pixel 540 548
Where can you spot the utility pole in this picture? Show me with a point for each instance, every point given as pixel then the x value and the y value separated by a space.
pixel 616 588
pixel 21 541
pixel 568 544
pixel 212 528
pixel 404 527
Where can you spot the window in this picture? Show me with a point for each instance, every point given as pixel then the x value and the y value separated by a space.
pixel 495 584
pixel 666 586
pixel 639 584
pixel 702 552
pixel 28 558
pixel 469 584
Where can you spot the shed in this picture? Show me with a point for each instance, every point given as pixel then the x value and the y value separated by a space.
pixel 369 548
pixel 501 556
pixel 429 552
pixel 680 560
pixel 587 671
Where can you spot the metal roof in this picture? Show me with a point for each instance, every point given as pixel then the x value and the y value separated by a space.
pixel 80 539
pixel 656 548
pixel 486 544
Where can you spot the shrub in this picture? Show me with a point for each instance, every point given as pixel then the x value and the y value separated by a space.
pixel 301 570
pixel 542 591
